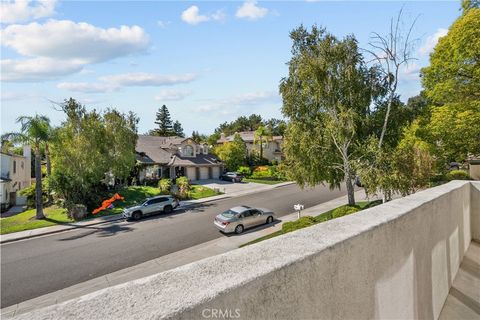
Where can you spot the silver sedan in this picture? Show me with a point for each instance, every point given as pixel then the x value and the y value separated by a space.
pixel 239 218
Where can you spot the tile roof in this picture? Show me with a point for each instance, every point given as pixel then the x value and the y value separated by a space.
pixel 247 136
pixel 163 150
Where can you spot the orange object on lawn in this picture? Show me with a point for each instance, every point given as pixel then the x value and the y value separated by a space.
pixel 107 203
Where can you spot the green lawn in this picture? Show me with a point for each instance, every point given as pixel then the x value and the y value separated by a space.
pixel 264 181
pixel 199 192
pixel 317 219
pixel 26 220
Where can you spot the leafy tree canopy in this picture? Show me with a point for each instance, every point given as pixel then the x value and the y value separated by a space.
pixel 454 71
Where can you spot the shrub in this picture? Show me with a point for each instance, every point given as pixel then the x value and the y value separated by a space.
pixel 244 170
pixel 298 224
pixel 183 187
pixel 261 174
pixel 457 175
pixel 29 192
pixel 343 211
pixel 164 185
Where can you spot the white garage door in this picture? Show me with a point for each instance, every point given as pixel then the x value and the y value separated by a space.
pixel 204 173
pixel 215 172
pixel 191 173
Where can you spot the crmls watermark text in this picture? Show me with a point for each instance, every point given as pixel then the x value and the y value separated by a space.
pixel 221 313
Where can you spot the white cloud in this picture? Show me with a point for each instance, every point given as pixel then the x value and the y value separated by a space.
pixel 23 10
pixel 63 47
pixel 36 69
pixel 192 16
pixel 16 96
pixel 172 95
pixel 432 41
pixel 163 24
pixel 410 72
pixel 250 10
pixel 87 87
pixel 147 79
pixel 80 42
pixel 234 102
pixel 116 82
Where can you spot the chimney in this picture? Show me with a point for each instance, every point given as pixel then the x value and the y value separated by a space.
pixel 27 151
pixel 222 136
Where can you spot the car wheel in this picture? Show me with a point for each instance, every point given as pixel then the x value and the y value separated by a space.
pixel 168 209
pixel 269 220
pixel 137 215
pixel 239 229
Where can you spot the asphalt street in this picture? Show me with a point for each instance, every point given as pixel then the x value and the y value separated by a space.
pixel 34 267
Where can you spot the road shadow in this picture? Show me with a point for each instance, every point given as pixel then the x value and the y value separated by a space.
pixel 252 229
pixel 105 231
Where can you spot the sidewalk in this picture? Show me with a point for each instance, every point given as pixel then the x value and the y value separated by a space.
pixel 21 235
pixel 214 247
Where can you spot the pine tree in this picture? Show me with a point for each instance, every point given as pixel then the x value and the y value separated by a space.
pixel 177 129
pixel 164 122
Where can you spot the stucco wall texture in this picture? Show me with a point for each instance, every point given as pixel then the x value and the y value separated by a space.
pixel 396 260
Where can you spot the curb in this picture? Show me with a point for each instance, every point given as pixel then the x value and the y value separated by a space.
pixel 113 218
pixel 119 216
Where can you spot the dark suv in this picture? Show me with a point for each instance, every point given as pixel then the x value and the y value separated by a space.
pixel 232 176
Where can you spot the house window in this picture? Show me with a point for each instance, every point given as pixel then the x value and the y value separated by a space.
pixel 14 166
pixel 188 151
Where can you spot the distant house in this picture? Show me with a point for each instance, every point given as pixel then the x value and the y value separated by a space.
pixel 272 150
pixel 15 174
pixel 171 157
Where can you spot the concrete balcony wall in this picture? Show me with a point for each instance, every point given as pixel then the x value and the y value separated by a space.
pixel 394 261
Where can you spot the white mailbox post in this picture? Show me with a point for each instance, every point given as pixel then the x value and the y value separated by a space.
pixel 298 207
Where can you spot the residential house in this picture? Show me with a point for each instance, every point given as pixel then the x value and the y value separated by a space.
pixel 15 175
pixel 171 157
pixel 272 150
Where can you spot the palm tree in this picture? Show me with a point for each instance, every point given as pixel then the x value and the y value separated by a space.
pixel 34 131
pixel 262 135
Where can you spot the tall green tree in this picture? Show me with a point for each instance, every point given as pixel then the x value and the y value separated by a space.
pixel 452 84
pixel 89 145
pixel 454 72
pixel 262 136
pixel 233 154
pixel 326 97
pixel 177 128
pixel 34 131
pixel 164 123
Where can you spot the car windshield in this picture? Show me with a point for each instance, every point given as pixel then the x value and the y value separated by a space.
pixel 229 213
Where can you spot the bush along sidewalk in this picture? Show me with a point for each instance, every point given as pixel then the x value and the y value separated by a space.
pixel 308 221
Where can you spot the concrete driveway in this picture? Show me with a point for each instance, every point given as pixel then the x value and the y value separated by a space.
pixel 229 187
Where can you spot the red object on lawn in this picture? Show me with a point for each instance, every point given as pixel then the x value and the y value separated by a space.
pixel 107 203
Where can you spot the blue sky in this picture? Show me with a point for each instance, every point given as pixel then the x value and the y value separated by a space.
pixel 209 62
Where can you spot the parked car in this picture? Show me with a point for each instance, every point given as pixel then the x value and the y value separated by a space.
pixel 231 176
pixel 151 206
pixel 239 218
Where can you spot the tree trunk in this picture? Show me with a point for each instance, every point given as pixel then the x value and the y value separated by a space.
pixel 261 148
pixel 38 184
pixel 47 158
pixel 348 183
pixel 49 170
